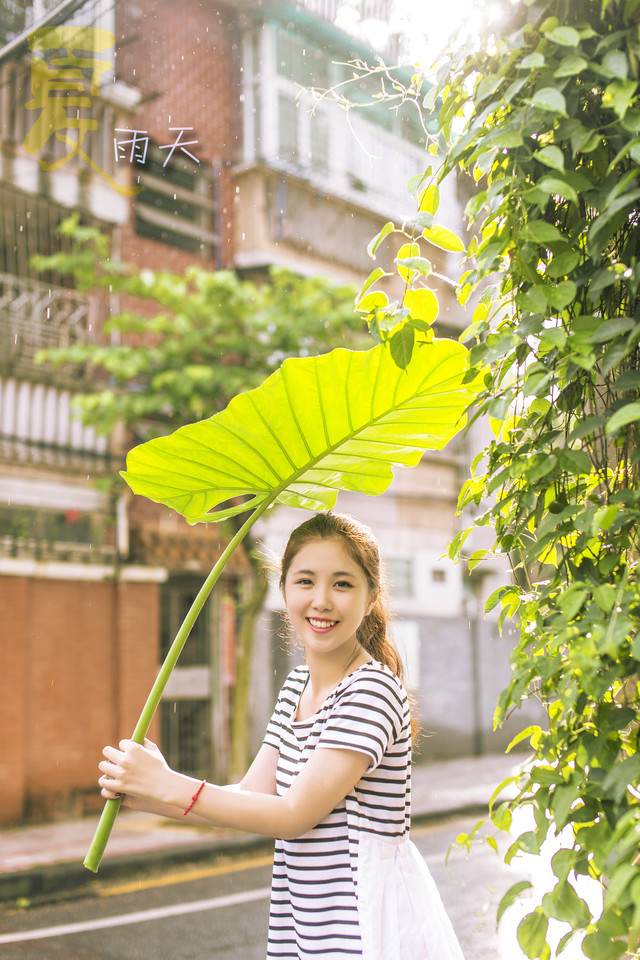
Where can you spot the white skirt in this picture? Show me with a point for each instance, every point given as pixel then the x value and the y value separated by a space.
pixel 401 914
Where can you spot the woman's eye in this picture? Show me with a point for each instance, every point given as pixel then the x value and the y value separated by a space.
pixel 304 582
pixel 344 583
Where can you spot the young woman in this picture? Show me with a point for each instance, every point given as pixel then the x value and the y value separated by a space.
pixel 331 781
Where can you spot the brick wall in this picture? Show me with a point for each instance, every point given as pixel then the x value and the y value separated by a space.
pixel 78 659
pixel 180 57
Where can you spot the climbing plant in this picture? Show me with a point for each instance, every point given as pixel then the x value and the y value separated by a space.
pixel 541 128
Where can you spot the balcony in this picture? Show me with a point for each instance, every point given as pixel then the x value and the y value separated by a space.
pixel 35 316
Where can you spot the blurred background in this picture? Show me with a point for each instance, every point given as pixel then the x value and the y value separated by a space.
pixel 187 134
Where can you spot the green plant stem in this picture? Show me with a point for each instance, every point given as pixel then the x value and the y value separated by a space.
pixel 111 807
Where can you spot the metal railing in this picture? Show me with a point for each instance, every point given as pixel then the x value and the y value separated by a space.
pixel 35 316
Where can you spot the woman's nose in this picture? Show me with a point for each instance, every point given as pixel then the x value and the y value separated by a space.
pixel 321 599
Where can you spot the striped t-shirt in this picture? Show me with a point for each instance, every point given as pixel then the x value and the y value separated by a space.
pixel 314 911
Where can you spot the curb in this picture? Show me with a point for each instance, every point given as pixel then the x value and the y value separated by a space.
pixel 70 879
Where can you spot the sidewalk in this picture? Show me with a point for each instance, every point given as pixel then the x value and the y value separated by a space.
pixel 45 861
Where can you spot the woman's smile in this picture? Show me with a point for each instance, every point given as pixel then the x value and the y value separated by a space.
pixel 322 626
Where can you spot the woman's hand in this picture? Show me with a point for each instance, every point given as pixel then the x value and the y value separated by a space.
pixel 137 770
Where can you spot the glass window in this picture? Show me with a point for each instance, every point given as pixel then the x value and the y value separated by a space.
pixel 287 129
pixel 176 205
pixel 319 142
pixel 400 576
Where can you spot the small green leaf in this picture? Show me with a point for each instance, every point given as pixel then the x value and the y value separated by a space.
pixel 618 95
pixel 570 66
pixel 563 862
pixel 565 36
pixel 630 380
pixel 554 186
pixel 630 413
pixel 532 934
pixel 563 903
pixel 564 796
pixel 512 896
pixel 373 301
pixel 369 282
pixel 408 266
pixel 531 731
pixel 421 304
pixel 551 156
pixel 605 597
pixel 615 64
pixel 599 946
pixel 429 199
pixel 561 294
pixel 379 237
pixel 621 776
pixel 549 98
pixel 571 601
pixel 401 345
pixel 609 329
pixel 532 61
pixel 541 232
pixel 577 462
pixel 443 238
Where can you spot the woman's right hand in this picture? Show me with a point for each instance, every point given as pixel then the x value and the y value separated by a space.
pixel 139 771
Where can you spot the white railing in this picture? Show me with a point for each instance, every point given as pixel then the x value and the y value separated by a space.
pixel 34 414
pixel 35 316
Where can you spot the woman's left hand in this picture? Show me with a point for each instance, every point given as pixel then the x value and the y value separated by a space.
pixel 138 770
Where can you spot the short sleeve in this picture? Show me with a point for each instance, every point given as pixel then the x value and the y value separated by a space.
pixel 285 705
pixel 367 716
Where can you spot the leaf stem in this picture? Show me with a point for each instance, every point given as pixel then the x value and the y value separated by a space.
pixel 111 807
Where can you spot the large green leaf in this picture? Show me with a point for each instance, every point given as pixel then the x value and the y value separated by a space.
pixel 315 426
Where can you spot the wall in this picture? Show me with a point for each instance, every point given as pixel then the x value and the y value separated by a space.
pixel 179 56
pixel 78 659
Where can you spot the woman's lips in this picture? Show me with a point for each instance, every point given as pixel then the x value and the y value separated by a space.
pixel 321 626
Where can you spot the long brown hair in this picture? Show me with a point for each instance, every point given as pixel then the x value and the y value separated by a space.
pixel 362 547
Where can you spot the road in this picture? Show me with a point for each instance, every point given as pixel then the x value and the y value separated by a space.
pixel 220 910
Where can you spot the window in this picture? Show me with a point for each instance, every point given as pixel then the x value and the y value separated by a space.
pixel 63 535
pixel 176 599
pixel 186 736
pixel 301 62
pixel 319 141
pixel 287 129
pixel 400 575
pixel 176 205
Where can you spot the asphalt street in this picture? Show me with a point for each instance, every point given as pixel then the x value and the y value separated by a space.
pixel 220 910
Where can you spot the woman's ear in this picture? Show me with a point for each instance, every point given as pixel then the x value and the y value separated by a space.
pixel 372 603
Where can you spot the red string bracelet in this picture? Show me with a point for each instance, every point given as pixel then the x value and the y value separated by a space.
pixel 194 798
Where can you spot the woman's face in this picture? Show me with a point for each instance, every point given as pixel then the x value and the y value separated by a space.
pixel 326 595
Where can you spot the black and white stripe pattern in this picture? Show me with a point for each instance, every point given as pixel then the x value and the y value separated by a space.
pixel 314 897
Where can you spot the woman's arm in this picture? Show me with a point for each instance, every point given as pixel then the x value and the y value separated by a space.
pixel 260 777
pixel 326 778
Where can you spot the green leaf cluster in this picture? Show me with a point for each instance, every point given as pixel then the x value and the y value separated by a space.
pixel 550 140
